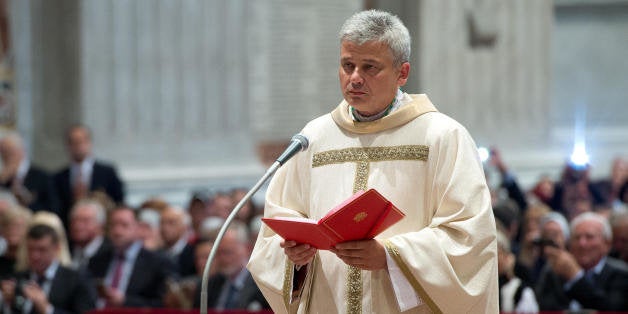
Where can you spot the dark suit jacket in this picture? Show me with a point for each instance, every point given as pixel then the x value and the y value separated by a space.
pixel 147 284
pixel 104 247
pixel 104 179
pixel 249 294
pixel 7 267
pixel 608 293
pixel 40 189
pixel 184 262
pixel 70 291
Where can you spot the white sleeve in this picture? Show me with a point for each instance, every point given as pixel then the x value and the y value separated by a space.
pixel 406 297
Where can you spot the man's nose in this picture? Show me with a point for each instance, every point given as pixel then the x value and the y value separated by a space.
pixel 356 77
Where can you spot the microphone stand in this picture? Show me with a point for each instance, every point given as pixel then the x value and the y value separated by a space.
pixel 224 227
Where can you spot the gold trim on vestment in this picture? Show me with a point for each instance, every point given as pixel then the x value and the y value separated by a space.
pixel 354 290
pixel 371 154
pixel 393 251
pixel 287 283
pixel 354 274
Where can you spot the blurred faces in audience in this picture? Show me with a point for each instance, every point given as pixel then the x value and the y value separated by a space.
pixel 590 240
pixel 201 253
pixel 148 228
pixel 79 143
pixel 221 205
pixel 87 220
pixel 174 224
pixel 199 210
pixel 234 250
pixel 619 223
pixel 123 228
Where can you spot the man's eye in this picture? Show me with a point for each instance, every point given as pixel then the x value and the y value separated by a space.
pixel 370 68
pixel 347 66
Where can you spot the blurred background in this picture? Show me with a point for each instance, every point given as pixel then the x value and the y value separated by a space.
pixel 202 94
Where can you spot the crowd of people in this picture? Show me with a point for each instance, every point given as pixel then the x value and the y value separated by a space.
pixel 69 243
pixel 562 245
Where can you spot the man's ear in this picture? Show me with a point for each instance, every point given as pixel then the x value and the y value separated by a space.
pixel 404 71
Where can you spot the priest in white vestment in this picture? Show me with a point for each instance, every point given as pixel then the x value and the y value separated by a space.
pixel 441 258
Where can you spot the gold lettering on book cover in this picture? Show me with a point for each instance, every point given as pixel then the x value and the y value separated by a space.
pixel 360 216
pixel 363 156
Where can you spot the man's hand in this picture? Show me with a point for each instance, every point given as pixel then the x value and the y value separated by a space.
pixel 7 287
pixel 562 262
pixel 113 296
pixel 36 294
pixel 364 254
pixel 300 254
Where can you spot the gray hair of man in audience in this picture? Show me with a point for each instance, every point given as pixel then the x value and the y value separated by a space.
pixel 210 227
pixel 558 219
pixel 97 207
pixel 378 26
pixel 591 216
pixel 150 217
pixel 240 230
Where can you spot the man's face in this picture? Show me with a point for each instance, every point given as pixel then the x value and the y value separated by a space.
pixel 552 230
pixel 231 255
pixel 620 237
pixel 10 153
pixel 368 78
pixel 79 144
pixel 84 225
pixel 41 253
pixel 198 212
pixel 15 232
pixel 588 244
pixel 172 226
pixel 201 253
pixel 122 228
pixel 221 207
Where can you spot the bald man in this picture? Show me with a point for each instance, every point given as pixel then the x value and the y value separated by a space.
pixel 174 227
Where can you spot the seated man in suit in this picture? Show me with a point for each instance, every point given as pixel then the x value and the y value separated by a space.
pixel 47 287
pixel 175 231
pixel 233 286
pixel 584 277
pixel 84 174
pixel 31 185
pixel 87 225
pixel 130 275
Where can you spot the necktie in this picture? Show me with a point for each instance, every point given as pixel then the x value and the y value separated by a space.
pixel 232 297
pixel 117 271
pixel 79 188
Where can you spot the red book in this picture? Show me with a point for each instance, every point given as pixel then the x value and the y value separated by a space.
pixel 362 216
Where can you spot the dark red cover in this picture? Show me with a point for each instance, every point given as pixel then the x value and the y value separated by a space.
pixel 362 216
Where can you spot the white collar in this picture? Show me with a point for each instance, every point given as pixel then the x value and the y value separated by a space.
pixel 22 169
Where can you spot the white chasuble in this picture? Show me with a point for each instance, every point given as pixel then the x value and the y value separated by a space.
pixel 428 166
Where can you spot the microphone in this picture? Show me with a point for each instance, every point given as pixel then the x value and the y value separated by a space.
pixel 297 143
